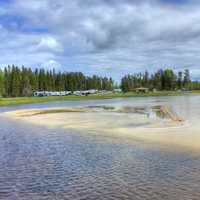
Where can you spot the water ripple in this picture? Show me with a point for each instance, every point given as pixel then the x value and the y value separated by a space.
pixel 37 163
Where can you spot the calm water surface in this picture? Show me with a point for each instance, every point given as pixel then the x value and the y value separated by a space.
pixel 41 163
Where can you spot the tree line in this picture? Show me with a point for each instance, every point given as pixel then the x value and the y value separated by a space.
pixel 161 80
pixel 21 81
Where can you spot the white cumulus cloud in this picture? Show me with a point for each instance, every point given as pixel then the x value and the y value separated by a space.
pixel 108 37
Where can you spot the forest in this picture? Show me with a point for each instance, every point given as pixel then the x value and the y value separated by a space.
pixel 16 82
pixel 160 80
pixel 21 81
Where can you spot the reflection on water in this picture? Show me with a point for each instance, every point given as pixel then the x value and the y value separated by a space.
pixel 41 163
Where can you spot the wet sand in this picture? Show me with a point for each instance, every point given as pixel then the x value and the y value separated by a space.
pixel 158 124
pixel 162 111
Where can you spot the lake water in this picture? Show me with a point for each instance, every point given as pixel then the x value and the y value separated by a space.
pixel 38 162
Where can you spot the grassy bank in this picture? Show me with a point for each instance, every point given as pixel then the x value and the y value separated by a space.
pixel 24 100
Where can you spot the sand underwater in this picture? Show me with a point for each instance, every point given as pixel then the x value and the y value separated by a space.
pixel 158 124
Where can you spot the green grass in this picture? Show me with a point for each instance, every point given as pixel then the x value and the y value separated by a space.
pixel 25 100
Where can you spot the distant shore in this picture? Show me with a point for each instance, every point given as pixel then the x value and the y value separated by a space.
pixel 109 95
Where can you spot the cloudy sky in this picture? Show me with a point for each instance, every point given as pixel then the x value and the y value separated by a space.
pixel 105 37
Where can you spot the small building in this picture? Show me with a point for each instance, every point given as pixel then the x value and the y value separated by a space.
pixel 142 90
pixel 84 92
pixel 38 94
pixel 62 93
pixel 55 93
pixel 77 93
pixel 92 91
pixel 51 93
pixel 68 93
pixel 186 89
pixel 117 90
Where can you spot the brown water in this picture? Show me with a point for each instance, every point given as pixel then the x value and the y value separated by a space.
pixel 37 162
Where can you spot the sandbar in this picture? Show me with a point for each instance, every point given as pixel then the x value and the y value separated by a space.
pixel 158 124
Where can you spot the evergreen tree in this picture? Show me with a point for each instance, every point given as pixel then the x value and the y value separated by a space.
pixel 186 80
pixel 1 83
pixel 15 81
pixel 180 80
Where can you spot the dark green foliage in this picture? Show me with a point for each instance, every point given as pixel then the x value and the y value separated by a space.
pixel 186 79
pixel 160 80
pixel 180 79
pixel 1 83
pixel 15 81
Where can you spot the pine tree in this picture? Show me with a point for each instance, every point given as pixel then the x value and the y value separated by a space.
pixel 1 83
pixel 15 81
pixel 186 80
pixel 180 80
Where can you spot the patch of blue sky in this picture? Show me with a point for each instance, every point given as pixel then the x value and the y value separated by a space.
pixel 175 1
pixel 19 24
pixel 12 22
pixel 5 1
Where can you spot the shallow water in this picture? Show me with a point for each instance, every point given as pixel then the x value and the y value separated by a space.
pixel 37 162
